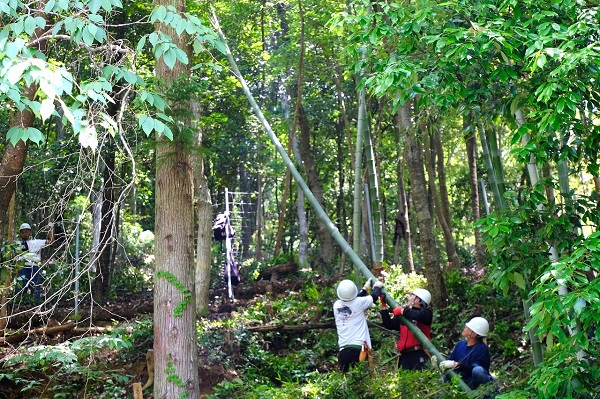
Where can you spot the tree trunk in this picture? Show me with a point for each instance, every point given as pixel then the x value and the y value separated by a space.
pixel 204 219
pixel 402 228
pixel 11 167
pixel 326 251
pixel 376 222
pixel 431 262
pixel 13 159
pixel 471 145
pixel 492 173
pixel 301 210
pixel 101 284
pixel 442 214
pixel 175 350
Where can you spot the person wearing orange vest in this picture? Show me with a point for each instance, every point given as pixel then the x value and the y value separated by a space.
pixel 418 311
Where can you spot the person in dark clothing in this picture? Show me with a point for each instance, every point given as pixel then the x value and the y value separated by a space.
pixel 351 321
pixel 471 357
pixel 412 353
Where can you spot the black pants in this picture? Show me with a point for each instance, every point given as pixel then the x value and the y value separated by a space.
pixel 414 360
pixel 347 357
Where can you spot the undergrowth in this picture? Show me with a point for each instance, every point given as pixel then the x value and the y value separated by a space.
pixel 294 363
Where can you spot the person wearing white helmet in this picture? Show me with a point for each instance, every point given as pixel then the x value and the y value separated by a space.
pixel 471 356
pixel 412 353
pixel 29 275
pixel 351 321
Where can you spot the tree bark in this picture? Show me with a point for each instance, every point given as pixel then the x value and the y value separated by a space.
pixel 101 284
pixel 431 262
pixel 471 144
pixel 204 218
pixel 402 228
pixel 13 159
pixel 326 251
pixel 442 214
pixel 176 355
pixel 301 211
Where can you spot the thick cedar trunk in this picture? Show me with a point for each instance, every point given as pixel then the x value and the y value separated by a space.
pixel 175 351
pixel 326 252
pixel 471 144
pixel 431 261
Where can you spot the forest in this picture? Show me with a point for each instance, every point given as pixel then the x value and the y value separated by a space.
pixel 445 145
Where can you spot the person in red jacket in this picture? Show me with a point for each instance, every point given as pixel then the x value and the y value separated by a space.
pixel 418 311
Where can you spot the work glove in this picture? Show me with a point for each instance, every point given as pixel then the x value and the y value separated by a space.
pixel 448 364
pixel 383 305
pixel 378 284
pixel 367 285
pixel 434 362
pixel 398 311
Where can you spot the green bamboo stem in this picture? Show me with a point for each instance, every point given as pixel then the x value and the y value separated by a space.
pixel 485 152
pixel 317 207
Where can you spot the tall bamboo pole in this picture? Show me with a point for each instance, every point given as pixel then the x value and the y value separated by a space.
pixel 317 207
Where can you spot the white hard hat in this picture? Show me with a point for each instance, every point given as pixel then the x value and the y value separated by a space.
pixel 423 294
pixel 347 290
pixel 479 326
pixel 25 226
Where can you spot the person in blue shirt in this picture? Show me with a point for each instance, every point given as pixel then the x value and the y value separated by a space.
pixel 471 357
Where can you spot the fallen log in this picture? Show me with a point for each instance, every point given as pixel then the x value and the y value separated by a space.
pixel 295 328
pixel 21 336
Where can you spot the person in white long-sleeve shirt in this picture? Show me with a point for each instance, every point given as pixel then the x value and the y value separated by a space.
pixel 351 321
pixel 29 276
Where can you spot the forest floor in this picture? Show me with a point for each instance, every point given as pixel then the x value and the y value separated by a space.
pixel 130 307
pixel 44 326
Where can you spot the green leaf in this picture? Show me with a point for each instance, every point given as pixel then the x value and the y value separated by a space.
pixel 519 280
pixel 170 57
pixel 141 44
pixel 29 25
pixel 168 133
pixel 147 124
pixel 35 135
pixel 47 108
pixel 130 77
pixel 89 34
pixel 153 38
pixel 17 133
pixel 560 105
pixel 159 14
pixel 94 6
pixel 16 72
pixel 579 305
pixel 220 46
pixel 14 48
pixel 541 60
